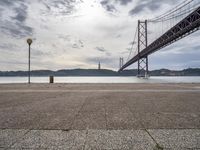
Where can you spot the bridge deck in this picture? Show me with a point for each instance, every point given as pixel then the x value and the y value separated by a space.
pixel 188 25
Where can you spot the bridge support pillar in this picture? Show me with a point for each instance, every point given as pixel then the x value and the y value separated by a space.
pixel 143 69
pixel 142 44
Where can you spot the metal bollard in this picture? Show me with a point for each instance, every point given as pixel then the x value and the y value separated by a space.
pixel 51 79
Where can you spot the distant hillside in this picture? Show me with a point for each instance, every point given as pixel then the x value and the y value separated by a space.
pixel 102 72
pixel 73 72
pixel 185 72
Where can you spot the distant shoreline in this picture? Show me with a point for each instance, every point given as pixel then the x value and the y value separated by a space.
pixel 100 73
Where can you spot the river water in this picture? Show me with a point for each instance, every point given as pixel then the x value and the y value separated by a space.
pixel 101 80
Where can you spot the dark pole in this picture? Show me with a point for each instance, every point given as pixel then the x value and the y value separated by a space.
pixel 146 39
pixel 139 47
pixel 29 64
pixel 29 41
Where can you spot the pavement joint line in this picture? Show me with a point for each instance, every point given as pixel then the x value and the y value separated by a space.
pixel 157 144
pixel 18 139
pixel 105 113
pixel 86 139
pixel 141 123
pixel 77 114
pixel 66 130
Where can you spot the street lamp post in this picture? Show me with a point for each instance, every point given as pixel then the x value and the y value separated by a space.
pixel 29 41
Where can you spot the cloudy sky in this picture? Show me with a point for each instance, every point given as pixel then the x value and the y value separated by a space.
pixel 79 33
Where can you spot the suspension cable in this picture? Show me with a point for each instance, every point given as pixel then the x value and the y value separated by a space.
pixel 175 16
pixel 178 7
pixel 132 44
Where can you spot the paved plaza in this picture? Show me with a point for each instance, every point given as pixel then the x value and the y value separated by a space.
pixel 100 116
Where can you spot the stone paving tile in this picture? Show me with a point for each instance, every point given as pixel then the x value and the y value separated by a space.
pixel 9 136
pixel 54 121
pixel 18 120
pixel 36 120
pixel 62 104
pixel 118 139
pixel 170 139
pixel 177 139
pixel 170 120
pixel 52 139
pixel 116 108
pixel 121 120
pixel 88 120
pixel 93 108
pixel 119 116
pixel 163 102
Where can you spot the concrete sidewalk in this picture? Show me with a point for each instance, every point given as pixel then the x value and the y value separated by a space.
pixel 100 116
pixel 100 139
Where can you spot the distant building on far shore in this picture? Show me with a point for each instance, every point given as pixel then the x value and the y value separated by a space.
pixel 99 66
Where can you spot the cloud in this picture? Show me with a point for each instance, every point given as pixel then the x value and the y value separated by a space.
pixel 37 53
pixel 72 41
pixel 6 3
pixel 64 37
pixel 151 5
pixel 16 30
pixel 21 13
pixel 126 52
pixel 14 25
pixel 9 46
pixel 118 36
pixel 124 2
pixel 78 44
pixel 102 49
pixel 108 6
pixel 60 7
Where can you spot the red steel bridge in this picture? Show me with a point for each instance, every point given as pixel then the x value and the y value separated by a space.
pixel 180 22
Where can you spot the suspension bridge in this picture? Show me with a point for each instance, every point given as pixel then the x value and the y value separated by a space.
pixel 161 31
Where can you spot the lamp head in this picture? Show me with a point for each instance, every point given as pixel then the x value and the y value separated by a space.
pixel 29 41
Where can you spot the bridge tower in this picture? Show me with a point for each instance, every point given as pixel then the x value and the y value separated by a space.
pixel 142 44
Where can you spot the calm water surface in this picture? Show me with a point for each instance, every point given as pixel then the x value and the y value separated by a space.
pixel 101 80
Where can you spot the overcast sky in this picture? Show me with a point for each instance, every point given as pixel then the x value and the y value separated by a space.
pixel 79 33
